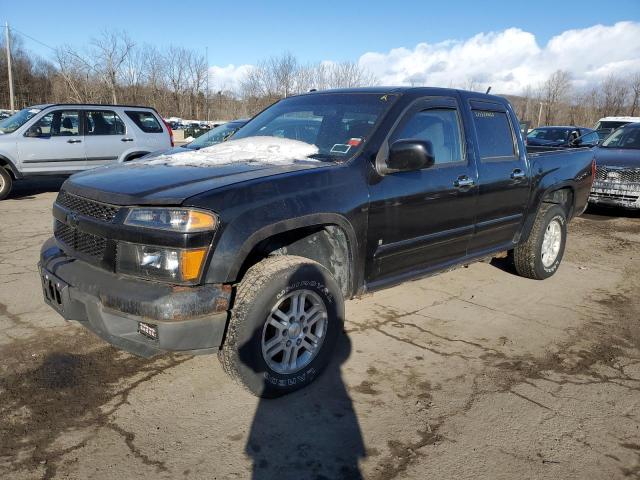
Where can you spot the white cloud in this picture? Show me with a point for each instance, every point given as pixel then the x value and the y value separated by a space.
pixel 512 59
pixel 508 60
pixel 226 78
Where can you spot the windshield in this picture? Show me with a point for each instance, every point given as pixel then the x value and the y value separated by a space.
pixel 551 134
pixel 337 123
pixel 215 135
pixel 627 137
pixel 15 121
pixel 610 124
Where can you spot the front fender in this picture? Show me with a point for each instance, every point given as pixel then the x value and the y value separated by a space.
pixel 228 259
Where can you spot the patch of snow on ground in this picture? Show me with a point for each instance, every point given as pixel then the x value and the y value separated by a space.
pixel 271 150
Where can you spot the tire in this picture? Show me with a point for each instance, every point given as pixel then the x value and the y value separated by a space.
pixel 530 260
pixel 6 183
pixel 270 291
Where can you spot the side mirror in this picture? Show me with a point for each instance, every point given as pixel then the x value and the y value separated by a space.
pixel 34 132
pixel 408 155
pixel 576 142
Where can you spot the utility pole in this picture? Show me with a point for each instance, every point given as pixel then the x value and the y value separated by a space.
pixel 8 45
pixel 540 113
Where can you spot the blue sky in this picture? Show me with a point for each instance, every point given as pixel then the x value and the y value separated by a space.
pixel 246 31
pixel 508 45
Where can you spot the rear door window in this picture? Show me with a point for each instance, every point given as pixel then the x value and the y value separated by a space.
pixel 146 121
pixel 103 122
pixel 495 136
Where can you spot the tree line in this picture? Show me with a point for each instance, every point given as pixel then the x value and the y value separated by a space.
pixel 558 102
pixel 112 68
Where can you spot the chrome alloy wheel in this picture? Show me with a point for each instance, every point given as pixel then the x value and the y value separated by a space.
pixel 551 243
pixel 294 332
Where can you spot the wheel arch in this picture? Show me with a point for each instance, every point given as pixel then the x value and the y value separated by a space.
pixel 561 194
pixel 127 157
pixel 10 166
pixel 328 239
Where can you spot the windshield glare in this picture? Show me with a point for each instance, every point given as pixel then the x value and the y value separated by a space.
pixel 628 137
pixel 214 136
pixel 337 123
pixel 15 121
pixel 552 134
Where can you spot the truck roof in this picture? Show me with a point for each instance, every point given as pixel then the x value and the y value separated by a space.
pixel 412 90
pixel 620 119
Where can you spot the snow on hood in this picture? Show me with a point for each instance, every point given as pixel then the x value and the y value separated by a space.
pixel 270 150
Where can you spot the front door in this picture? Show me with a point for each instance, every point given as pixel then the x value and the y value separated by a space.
pixel 423 219
pixel 59 146
pixel 504 185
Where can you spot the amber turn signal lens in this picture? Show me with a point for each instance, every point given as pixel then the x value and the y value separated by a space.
pixel 191 263
pixel 200 221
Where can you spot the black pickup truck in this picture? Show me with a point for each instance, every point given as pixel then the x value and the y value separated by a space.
pixel 250 247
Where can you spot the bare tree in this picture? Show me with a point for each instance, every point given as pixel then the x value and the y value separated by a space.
pixel 634 85
pixel 613 96
pixel 554 90
pixel 111 50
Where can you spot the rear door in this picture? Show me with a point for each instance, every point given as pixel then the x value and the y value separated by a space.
pixel 150 133
pixel 423 219
pixel 504 179
pixel 106 137
pixel 60 146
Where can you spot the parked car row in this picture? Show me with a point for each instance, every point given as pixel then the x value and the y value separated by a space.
pixel 67 138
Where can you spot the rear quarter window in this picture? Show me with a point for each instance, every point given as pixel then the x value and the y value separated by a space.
pixel 145 121
pixel 495 137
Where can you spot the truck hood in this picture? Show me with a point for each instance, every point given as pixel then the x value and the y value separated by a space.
pixel 618 157
pixel 139 183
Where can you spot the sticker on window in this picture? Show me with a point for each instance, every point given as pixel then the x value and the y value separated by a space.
pixel 340 148
pixel 354 142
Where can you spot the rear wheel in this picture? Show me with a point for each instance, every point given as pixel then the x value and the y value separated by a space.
pixel 287 314
pixel 540 255
pixel 6 183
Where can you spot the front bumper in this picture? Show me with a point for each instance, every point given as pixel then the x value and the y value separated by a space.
pixel 615 194
pixel 187 319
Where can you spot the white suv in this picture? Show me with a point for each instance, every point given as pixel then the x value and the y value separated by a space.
pixel 62 139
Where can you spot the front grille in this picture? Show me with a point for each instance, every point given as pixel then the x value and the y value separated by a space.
pixel 86 207
pixel 617 174
pixel 80 241
pixel 626 197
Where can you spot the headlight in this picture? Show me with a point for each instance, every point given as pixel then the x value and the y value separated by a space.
pixel 182 220
pixel 160 263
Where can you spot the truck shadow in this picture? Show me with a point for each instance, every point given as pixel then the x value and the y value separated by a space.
pixel 311 434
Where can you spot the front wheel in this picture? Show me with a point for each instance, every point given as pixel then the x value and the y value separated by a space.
pixel 287 314
pixel 540 255
pixel 6 182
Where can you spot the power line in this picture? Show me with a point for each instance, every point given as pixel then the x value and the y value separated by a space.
pixel 33 39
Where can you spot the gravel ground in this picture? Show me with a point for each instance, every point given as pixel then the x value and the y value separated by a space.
pixel 475 373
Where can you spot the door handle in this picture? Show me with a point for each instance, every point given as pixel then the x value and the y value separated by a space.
pixel 126 139
pixel 517 174
pixel 74 140
pixel 463 181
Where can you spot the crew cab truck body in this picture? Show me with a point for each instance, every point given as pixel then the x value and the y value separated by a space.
pixel 253 259
pixel 61 139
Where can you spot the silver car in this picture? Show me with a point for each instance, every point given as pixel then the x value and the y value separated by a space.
pixel 61 139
